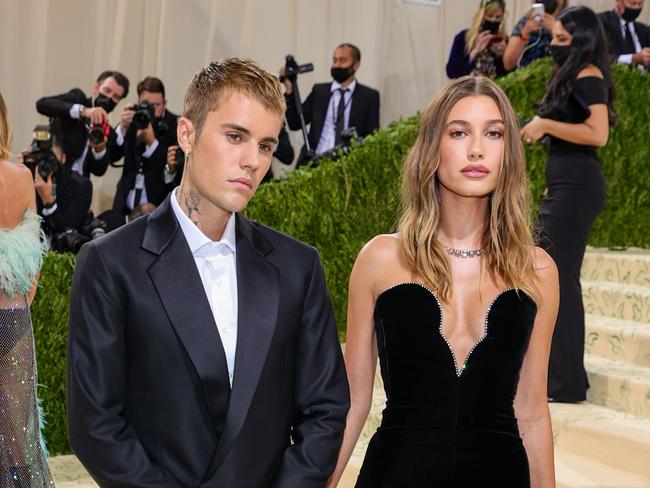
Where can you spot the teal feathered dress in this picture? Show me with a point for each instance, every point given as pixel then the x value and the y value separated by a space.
pixel 23 462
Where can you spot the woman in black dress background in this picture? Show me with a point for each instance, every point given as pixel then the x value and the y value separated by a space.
pixel 575 113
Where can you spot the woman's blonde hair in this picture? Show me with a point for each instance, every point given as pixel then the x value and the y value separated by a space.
pixel 507 237
pixel 486 7
pixel 5 131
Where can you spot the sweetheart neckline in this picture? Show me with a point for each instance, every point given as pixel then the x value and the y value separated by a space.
pixel 458 371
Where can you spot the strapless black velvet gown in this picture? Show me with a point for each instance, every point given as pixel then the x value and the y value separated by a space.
pixel 448 425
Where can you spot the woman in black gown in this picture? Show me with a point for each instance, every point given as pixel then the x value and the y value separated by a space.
pixel 459 306
pixel 575 112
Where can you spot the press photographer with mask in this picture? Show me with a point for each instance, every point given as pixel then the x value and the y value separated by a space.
pixel 84 121
pixel 145 132
pixel 62 196
pixel 332 107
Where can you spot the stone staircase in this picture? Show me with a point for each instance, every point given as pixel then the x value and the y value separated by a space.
pixel 604 442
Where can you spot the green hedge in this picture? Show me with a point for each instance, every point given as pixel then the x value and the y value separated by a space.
pixel 340 205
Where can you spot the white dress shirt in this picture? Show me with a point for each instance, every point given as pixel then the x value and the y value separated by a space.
pixel 328 136
pixel 216 262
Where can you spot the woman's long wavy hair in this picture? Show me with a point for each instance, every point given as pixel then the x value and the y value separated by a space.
pixel 489 7
pixel 507 237
pixel 588 46
pixel 5 131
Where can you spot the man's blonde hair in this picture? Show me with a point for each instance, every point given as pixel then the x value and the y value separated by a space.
pixel 207 89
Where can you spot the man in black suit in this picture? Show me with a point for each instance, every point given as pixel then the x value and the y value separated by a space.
pixel 629 41
pixel 333 107
pixel 146 177
pixel 202 347
pixel 77 113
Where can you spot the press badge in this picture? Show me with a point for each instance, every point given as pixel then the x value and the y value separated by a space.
pixel 139 181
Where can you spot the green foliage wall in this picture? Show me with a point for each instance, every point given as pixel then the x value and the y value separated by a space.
pixel 340 205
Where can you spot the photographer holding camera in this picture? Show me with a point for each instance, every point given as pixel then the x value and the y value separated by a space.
pixel 62 196
pixel 146 131
pixel 84 121
pixel 331 108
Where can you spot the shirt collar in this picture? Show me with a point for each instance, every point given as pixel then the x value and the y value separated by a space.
pixel 336 85
pixel 196 239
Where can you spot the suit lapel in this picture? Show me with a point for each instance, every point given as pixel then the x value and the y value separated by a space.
pixel 258 292
pixel 355 105
pixel 178 284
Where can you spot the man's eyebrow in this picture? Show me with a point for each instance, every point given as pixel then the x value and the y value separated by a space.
pixel 236 127
pixel 244 130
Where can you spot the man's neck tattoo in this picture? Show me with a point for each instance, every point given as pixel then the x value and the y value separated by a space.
pixel 192 200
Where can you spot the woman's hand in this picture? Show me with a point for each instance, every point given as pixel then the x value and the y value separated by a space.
pixel 534 130
pixel 498 48
pixel 482 42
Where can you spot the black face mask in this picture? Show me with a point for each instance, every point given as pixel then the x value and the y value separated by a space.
pixel 491 26
pixel 341 74
pixel 104 102
pixel 550 6
pixel 630 14
pixel 560 54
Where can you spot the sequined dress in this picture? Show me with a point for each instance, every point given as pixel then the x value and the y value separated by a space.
pixel 23 462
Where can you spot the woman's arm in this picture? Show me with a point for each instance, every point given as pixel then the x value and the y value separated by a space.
pixel 459 63
pixel 360 353
pixel 594 131
pixel 531 402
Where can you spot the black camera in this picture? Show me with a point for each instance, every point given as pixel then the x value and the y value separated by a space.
pixel 145 114
pixel 348 138
pixel 292 68
pixel 97 133
pixel 40 157
pixel 71 240
pixel 92 227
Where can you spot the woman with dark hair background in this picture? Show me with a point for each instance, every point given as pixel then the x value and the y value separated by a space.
pixel 575 113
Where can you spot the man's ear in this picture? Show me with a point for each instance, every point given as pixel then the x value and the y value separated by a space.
pixel 185 134
pixel 95 89
pixel 356 66
pixel 64 158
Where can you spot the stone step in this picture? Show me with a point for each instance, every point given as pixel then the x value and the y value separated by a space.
pixel 573 471
pixel 622 340
pixel 620 386
pixel 631 266
pixel 620 301
pixel 603 436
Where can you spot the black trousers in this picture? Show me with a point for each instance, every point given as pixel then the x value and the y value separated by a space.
pixel 575 197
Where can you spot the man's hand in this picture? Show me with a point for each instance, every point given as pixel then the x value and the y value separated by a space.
pixel 147 135
pixel 44 188
pixel 172 164
pixel 642 57
pixel 126 118
pixel 96 115
pixel 288 88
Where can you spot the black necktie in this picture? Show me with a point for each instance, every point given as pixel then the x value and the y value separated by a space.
pixel 628 42
pixel 340 116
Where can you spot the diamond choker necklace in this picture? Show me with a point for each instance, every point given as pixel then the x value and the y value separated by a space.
pixel 463 253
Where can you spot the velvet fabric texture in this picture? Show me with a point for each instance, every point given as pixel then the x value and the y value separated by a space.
pixel 448 426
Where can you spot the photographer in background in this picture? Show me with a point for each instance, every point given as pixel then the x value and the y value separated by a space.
pixel 84 121
pixel 62 196
pixel 146 131
pixel 331 108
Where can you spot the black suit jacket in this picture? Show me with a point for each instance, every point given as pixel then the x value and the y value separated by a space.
pixel 73 197
pixel 149 401
pixel 612 27
pixel 75 133
pixel 364 112
pixel 153 166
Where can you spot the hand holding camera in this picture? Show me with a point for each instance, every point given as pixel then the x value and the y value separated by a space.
pixel 127 118
pixel 95 115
